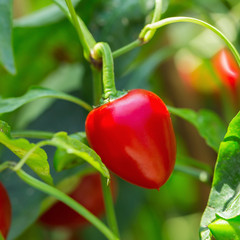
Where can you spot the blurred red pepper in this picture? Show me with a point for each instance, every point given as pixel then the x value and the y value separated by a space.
pixel 5 211
pixel 198 75
pixel 89 194
pixel 207 76
pixel 227 69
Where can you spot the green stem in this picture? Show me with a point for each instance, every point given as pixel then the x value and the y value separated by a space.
pixel 156 17
pixel 97 86
pixel 167 21
pixel 6 165
pixel 85 37
pixel 157 11
pixel 32 134
pixel 150 34
pixel 102 50
pixel 127 48
pixel 109 206
pixel 108 201
pixel 74 100
pixel 200 175
pixel 68 201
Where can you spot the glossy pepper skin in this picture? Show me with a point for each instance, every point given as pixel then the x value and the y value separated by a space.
pixel 88 193
pixel 5 211
pixel 227 69
pixel 134 137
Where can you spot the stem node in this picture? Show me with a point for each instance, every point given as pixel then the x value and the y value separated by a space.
pixel 102 52
pixel 96 63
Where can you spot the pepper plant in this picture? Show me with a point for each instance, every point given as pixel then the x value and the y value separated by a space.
pixel 101 60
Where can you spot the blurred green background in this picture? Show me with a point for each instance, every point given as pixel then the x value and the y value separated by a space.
pixel 48 53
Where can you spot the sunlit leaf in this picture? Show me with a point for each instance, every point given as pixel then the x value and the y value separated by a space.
pixel 226 229
pixel 5 128
pixel 64 160
pixel 37 161
pixel 225 193
pixel 74 146
pixel 11 104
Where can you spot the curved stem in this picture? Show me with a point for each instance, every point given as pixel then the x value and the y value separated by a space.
pixel 7 164
pixel 109 206
pixel 75 100
pixel 157 11
pixel 139 42
pixel 156 17
pixel 200 175
pixel 68 201
pixel 32 134
pixel 85 36
pixel 102 50
pixel 167 21
pixel 127 48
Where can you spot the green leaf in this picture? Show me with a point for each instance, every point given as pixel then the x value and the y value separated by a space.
pixel 5 128
pixel 11 104
pixel 74 147
pixel 63 160
pixel 37 160
pixel 81 136
pixel 6 49
pixel 88 38
pixel 224 199
pixel 62 4
pixel 208 124
pixel 57 80
pixel 226 229
pixel 47 15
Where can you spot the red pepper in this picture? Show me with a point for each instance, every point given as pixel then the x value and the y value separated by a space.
pixel 227 69
pixel 5 211
pixel 198 75
pixel 88 193
pixel 202 79
pixel 134 137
